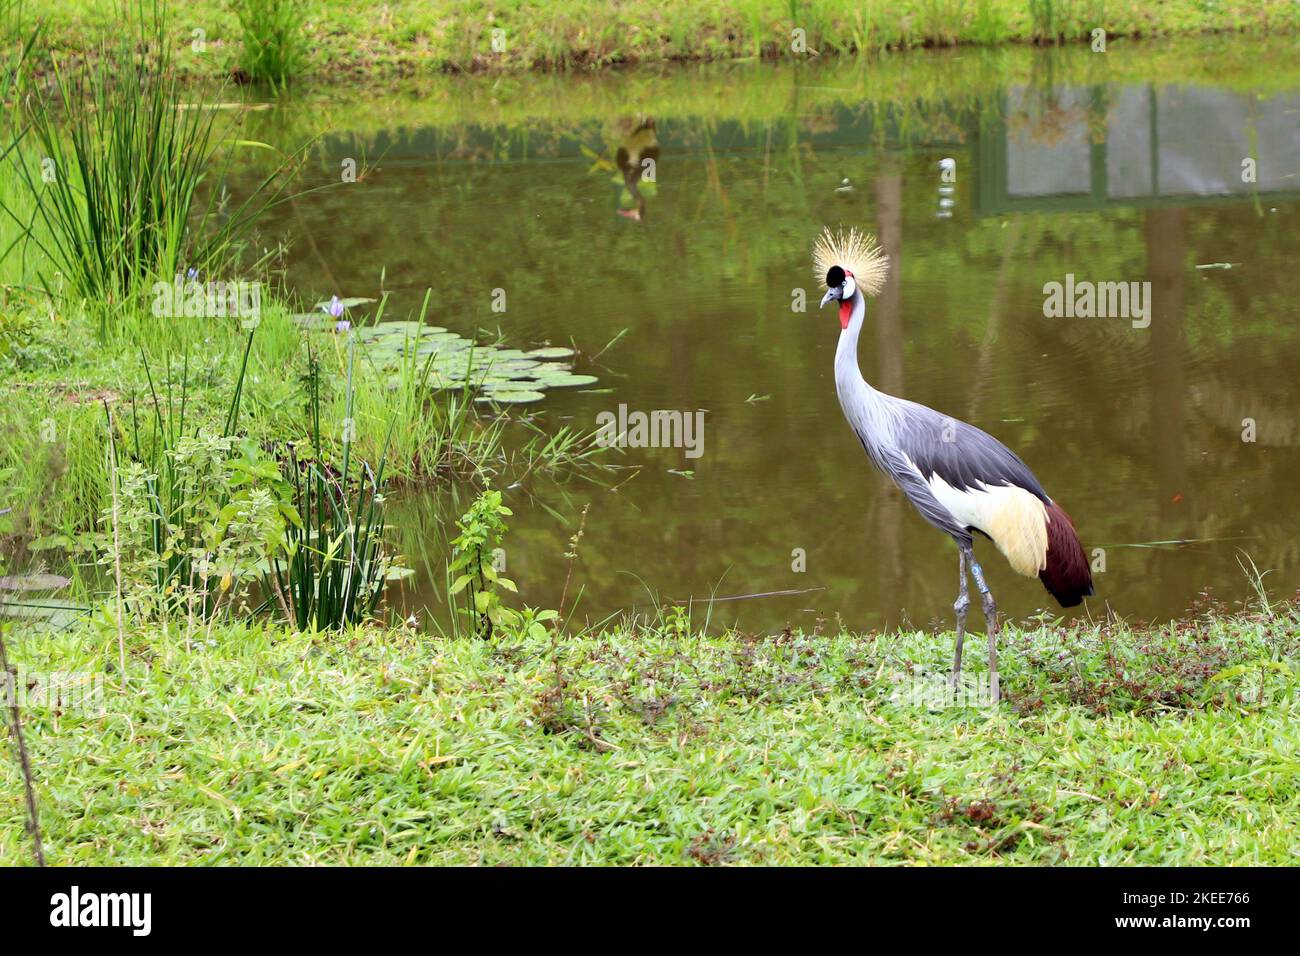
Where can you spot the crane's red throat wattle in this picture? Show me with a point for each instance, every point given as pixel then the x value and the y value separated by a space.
pixel 846 313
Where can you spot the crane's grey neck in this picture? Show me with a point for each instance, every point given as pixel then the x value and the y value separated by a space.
pixel 864 407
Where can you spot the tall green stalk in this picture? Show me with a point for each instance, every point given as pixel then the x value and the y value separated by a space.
pixel 120 162
pixel 336 561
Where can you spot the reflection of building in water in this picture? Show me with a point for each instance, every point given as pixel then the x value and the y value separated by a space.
pixel 1089 147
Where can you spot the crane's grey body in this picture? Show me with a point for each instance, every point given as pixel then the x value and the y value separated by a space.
pixel 914 445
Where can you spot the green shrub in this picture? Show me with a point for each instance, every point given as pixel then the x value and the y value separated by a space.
pixel 113 175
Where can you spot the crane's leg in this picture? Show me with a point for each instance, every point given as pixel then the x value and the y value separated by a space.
pixel 961 606
pixel 991 619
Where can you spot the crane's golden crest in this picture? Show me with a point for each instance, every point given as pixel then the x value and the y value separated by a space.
pixel 853 252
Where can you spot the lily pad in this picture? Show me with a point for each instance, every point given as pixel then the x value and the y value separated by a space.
pixel 566 380
pixel 506 376
pixel 501 396
pixel 314 321
pixel 398 329
pixel 49 611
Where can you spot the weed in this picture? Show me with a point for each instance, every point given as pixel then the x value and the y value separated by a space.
pixel 473 569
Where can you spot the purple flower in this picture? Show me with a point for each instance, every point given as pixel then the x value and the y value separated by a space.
pixel 191 273
pixel 342 326
pixel 335 308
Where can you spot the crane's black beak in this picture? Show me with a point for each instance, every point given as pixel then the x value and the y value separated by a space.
pixel 833 293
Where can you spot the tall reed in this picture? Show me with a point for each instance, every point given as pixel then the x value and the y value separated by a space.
pixel 335 561
pixel 126 170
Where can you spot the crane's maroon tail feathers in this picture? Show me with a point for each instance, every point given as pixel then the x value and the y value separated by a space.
pixel 1066 575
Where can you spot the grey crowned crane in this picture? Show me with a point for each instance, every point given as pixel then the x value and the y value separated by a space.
pixel 960 479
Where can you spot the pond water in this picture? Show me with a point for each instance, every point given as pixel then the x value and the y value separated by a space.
pixel 1170 436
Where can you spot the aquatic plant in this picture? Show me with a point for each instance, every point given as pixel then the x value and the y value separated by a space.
pixel 505 376
pixel 335 562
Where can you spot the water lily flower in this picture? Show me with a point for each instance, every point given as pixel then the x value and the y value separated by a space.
pixel 335 308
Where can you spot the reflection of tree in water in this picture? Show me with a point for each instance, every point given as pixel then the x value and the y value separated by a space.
pixel 634 146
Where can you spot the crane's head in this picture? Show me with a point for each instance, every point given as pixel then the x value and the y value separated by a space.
pixel 851 263
pixel 840 285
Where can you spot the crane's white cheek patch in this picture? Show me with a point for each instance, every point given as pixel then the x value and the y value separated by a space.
pixel 1011 516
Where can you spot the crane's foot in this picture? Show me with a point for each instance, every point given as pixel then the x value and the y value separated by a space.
pixel 961 606
pixel 991 619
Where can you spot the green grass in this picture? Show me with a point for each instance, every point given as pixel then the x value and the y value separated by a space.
pixel 655 745
pixel 410 37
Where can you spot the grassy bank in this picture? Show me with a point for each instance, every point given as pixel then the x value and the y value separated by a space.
pixel 1173 745
pixel 410 37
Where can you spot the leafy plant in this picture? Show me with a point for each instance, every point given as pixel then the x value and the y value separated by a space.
pixel 473 570
pixel 194 512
